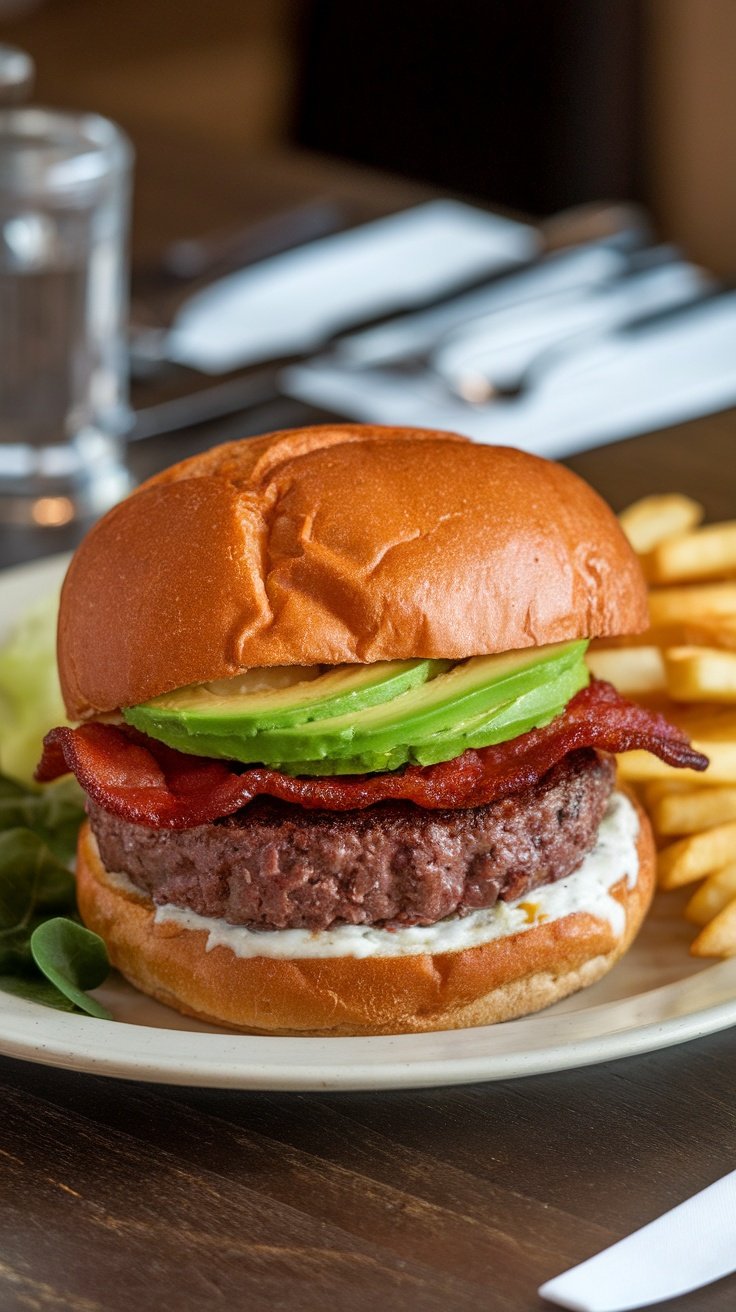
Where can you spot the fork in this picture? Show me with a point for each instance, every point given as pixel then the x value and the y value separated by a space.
pixel 641 299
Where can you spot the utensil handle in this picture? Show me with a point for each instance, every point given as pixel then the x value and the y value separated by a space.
pixel 201 257
pixel 202 407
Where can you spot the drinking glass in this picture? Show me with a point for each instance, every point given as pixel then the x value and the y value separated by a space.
pixel 64 214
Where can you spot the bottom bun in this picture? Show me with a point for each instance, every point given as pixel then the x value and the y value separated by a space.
pixel 499 980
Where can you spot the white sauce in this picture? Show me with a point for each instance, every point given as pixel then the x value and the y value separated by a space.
pixel 586 889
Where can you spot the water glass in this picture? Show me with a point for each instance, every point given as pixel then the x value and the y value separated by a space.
pixel 64 217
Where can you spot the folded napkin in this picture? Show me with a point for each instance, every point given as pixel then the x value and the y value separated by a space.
pixel 295 301
pixel 615 387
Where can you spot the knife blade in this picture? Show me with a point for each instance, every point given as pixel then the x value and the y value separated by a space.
pixel 688 1247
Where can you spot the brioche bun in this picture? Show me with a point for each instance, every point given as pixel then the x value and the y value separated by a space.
pixel 502 979
pixel 344 543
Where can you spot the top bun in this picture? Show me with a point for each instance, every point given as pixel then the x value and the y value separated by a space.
pixel 336 544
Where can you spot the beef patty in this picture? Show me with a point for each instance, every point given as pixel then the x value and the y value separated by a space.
pixel 274 865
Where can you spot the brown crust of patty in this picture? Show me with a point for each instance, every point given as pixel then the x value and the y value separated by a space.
pixel 341 996
pixel 277 866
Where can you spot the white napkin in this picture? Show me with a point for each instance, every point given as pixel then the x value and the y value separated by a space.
pixel 617 387
pixel 294 301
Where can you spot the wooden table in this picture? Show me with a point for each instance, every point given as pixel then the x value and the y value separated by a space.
pixel 116 1196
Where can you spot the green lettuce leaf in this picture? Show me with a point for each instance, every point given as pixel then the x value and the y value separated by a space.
pixel 30 698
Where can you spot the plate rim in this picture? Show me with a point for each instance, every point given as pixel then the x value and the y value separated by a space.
pixel 66 1041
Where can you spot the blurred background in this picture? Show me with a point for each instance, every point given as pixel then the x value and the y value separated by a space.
pixel 260 126
pixel 532 105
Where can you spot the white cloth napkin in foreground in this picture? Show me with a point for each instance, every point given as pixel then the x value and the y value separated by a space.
pixel 616 387
pixel 294 301
pixel 689 1247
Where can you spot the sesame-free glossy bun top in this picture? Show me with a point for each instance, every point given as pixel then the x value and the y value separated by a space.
pixel 336 544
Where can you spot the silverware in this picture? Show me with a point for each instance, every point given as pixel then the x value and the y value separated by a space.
pixel 688 1247
pixel 593 265
pixel 261 385
pixel 148 343
pixel 231 397
pixel 479 387
pixel 208 256
pixel 620 225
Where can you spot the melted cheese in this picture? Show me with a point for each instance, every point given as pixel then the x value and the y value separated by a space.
pixel 271 679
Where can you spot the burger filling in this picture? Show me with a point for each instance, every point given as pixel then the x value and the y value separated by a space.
pixel 613 858
pixel 405 798
pixel 369 718
pixel 274 865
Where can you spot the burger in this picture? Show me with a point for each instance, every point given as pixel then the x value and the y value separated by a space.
pixel 346 770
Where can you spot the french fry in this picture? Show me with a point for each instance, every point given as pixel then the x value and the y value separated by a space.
pixel 687 812
pixel 634 670
pixel 692 641
pixel 703 631
pixel 717 631
pixel 653 519
pixel 641 768
pixel 713 895
pixel 706 553
pixel 717 939
pixel 707 720
pixel 700 674
pixel 691 858
pixel 654 792
pixel 688 604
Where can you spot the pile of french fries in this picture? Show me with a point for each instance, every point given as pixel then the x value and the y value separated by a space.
pixel 685 666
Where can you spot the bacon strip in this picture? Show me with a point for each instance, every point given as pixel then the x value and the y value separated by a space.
pixel 143 781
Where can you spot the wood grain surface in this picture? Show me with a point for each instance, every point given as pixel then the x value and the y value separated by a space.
pixel 115 1196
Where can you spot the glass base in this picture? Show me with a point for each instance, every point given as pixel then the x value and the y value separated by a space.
pixel 48 487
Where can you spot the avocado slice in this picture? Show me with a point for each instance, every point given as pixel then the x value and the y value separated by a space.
pixel 472 688
pixel 487 695
pixel 529 711
pixel 342 691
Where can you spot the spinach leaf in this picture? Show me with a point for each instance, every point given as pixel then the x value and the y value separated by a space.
pixel 11 787
pixel 32 880
pixel 54 812
pixel 74 959
pixel 32 883
pixel 35 885
pixel 52 961
pixel 43 956
pixel 34 988
pixel 15 951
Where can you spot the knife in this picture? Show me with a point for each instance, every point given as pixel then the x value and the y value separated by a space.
pixel 689 1247
pixel 218 252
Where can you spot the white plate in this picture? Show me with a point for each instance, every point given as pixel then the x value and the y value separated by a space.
pixel 657 996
